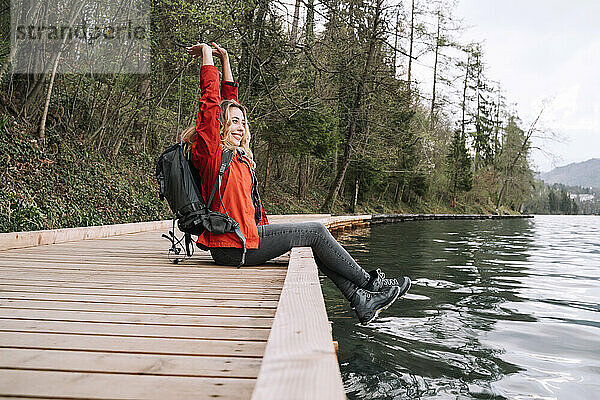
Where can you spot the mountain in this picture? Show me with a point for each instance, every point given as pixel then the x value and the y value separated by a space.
pixel 585 173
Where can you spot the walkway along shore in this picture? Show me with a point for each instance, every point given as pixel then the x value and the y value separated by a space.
pixel 100 313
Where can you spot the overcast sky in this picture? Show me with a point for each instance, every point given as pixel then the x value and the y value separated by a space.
pixel 545 49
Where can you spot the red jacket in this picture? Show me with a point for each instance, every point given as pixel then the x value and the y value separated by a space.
pixel 206 156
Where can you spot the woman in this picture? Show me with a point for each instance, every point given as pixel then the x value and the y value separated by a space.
pixel 223 124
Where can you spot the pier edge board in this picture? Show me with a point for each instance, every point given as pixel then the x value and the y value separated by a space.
pixel 300 360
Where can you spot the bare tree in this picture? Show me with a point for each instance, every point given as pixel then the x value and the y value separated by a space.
pixel 521 152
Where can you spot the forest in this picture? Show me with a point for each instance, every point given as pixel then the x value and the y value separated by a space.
pixel 340 122
pixel 563 199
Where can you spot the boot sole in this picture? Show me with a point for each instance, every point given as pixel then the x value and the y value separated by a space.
pixel 400 293
pixel 382 308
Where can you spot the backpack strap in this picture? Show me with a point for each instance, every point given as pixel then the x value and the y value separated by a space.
pixel 258 208
pixel 240 236
pixel 189 244
pixel 226 158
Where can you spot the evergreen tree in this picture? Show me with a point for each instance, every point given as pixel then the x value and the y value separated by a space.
pixel 458 166
pixel 482 115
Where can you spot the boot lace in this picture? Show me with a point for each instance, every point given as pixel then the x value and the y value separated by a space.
pixel 391 282
pixel 388 281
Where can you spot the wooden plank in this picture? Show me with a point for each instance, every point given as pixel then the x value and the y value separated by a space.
pixel 158 288
pixel 277 269
pixel 91 264
pixel 14 240
pixel 163 270
pixel 225 272
pixel 135 318
pixel 134 330
pixel 264 304
pixel 171 278
pixel 51 384
pixel 158 260
pixel 150 281
pixel 137 308
pixel 300 360
pixel 143 282
pixel 24 272
pixel 147 294
pixel 123 344
pixel 143 364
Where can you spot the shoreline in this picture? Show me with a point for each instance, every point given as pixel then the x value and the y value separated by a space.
pixel 24 239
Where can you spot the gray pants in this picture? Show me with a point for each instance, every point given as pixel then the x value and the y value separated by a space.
pixel 276 239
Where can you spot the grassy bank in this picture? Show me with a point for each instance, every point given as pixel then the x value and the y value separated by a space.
pixel 64 184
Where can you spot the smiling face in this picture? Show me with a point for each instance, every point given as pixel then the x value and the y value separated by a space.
pixel 236 128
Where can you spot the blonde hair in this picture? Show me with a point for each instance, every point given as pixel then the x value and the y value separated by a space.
pixel 226 106
pixel 189 134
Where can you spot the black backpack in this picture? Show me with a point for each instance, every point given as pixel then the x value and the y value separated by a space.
pixel 180 184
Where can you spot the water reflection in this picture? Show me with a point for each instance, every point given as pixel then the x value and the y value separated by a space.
pixel 484 310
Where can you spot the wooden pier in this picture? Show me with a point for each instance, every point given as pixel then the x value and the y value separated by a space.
pixel 110 317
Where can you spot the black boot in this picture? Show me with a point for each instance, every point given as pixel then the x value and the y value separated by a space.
pixel 368 305
pixel 379 282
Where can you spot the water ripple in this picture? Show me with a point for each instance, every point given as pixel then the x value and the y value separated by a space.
pixel 499 309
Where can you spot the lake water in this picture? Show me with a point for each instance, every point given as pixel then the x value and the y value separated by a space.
pixel 499 309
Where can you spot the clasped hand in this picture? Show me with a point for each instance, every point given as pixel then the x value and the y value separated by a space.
pixel 198 50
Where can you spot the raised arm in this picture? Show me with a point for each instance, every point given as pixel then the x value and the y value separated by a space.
pixel 207 123
pixel 229 88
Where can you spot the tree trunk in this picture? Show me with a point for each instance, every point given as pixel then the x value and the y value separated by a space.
pixel 4 68
pixel 464 102
pixel 34 93
pixel 454 190
pixel 278 162
pixel 302 177
pixel 334 163
pixel 267 170
pixel 259 22
pixel 396 34
pixel 383 192
pixel 410 50
pixel 294 31
pixel 497 126
pixel 42 129
pixel 100 131
pixel 356 187
pixel 75 97
pixel 435 64
pixel 144 93
pixel 246 59
pixel 93 107
pixel 477 125
pixel 310 22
